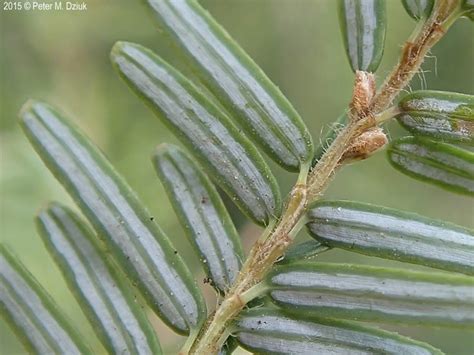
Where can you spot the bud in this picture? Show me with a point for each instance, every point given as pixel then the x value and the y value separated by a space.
pixel 362 94
pixel 365 145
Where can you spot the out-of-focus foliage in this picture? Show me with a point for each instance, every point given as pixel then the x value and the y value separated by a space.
pixel 62 57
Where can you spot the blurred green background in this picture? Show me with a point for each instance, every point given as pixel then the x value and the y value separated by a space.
pixel 62 57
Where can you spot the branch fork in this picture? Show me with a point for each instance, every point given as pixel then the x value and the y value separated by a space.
pixel 359 139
